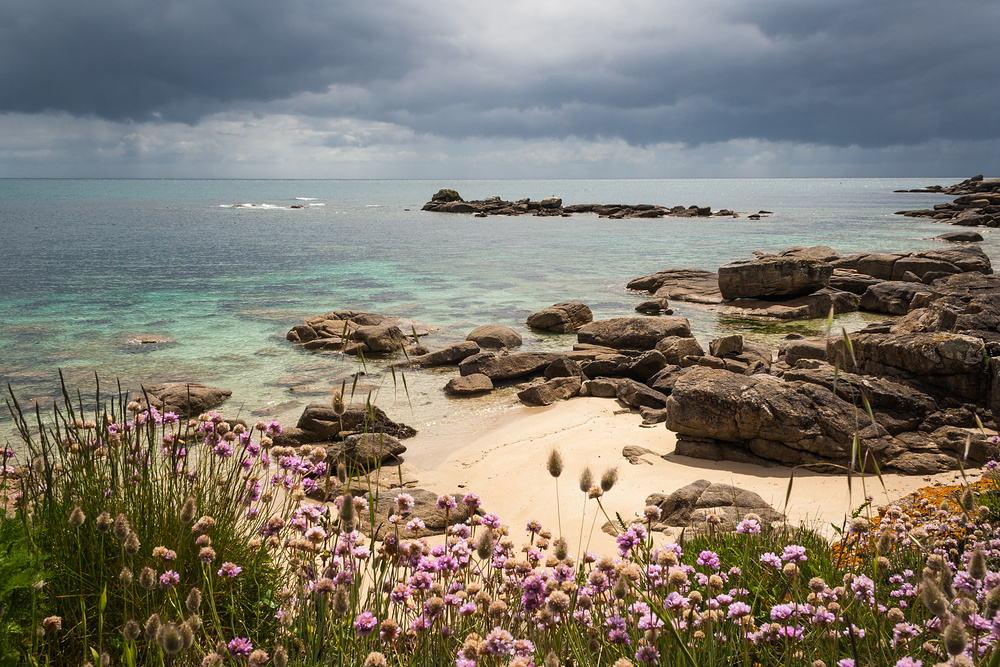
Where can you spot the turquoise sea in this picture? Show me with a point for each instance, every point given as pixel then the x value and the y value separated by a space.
pixel 89 264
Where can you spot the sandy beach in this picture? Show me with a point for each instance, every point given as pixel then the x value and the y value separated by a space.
pixel 505 465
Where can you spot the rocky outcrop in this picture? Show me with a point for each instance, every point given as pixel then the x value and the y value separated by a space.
pixel 450 355
pixel 469 385
pixel 494 336
pixel 978 203
pixel 925 265
pixel 184 398
pixel 500 367
pixel 564 317
pixel 425 507
pixel 773 276
pixel 720 415
pixel 691 285
pixel 363 452
pixel 964 236
pixel 319 423
pixel 809 283
pixel 355 331
pixel 812 306
pixel 449 201
pixel 689 506
pixel 551 391
pixel 633 333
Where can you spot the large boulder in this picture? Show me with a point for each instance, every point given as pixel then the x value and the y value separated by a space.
pixel 954 362
pixel 680 350
pixel 787 422
pixel 689 506
pixel 469 385
pixel 639 368
pixel 425 508
pixel 508 366
pixel 564 317
pixel 445 356
pixel 773 276
pixel 494 336
pixel 184 398
pixel 361 452
pixel 319 423
pixel 379 339
pixel 892 297
pixel 551 391
pixel 633 333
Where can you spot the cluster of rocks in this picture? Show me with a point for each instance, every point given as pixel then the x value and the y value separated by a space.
pixel 926 378
pixel 358 332
pixel 805 283
pixel 977 204
pixel 449 201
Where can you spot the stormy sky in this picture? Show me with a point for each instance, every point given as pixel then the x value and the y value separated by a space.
pixel 500 89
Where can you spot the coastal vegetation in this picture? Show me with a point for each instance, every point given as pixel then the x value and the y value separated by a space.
pixel 135 537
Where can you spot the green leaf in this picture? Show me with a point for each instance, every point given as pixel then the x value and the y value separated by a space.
pixel 104 599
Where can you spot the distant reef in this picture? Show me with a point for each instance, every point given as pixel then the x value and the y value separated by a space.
pixel 449 201
pixel 977 203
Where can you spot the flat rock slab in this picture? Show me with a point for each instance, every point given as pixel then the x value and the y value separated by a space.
pixel 773 275
pixel 507 367
pixel 681 284
pixel 633 333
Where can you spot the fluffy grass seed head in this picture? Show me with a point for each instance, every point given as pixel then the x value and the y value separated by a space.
pixel 337 403
pixel 188 510
pixel 608 479
pixel 132 544
pixel 170 638
pixel 280 657
pixel 77 517
pixel 121 528
pixel 586 480
pixel 152 627
pixel 977 565
pixel 147 578
pixel 955 638
pixel 554 463
pixel 132 630
pixel 193 600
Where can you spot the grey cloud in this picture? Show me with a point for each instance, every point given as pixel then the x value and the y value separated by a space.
pixel 127 59
pixel 870 73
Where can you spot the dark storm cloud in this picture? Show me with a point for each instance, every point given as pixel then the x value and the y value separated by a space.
pixel 128 59
pixel 852 72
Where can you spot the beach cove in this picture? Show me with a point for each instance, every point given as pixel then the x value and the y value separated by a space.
pixel 215 307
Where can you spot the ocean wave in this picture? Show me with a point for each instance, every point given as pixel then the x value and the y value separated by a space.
pixel 306 198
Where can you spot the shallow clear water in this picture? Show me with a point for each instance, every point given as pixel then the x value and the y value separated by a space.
pixel 89 263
